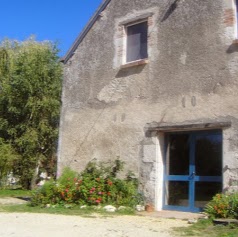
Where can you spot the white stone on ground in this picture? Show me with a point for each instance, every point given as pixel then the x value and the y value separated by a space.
pixel 110 208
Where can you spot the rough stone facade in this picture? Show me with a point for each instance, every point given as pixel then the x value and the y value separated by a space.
pixel 111 109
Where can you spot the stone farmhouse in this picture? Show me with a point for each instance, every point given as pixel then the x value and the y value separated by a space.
pixel 155 83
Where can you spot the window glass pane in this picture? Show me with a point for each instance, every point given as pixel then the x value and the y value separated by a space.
pixel 137 42
pixel 208 155
pixel 177 193
pixel 204 191
pixel 178 154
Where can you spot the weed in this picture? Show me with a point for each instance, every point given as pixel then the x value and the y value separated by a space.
pixel 205 228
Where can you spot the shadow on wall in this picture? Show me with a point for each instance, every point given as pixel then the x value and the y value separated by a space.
pixel 232 48
pixel 170 10
pixel 125 72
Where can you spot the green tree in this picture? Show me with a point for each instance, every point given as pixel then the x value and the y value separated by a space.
pixel 30 89
pixel 7 158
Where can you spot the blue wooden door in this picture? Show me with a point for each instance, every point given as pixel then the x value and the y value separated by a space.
pixel 193 170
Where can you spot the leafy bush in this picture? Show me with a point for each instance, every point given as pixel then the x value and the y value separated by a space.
pixel 97 184
pixel 67 175
pixel 47 194
pixel 223 206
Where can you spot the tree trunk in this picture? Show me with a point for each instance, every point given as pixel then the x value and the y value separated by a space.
pixel 35 176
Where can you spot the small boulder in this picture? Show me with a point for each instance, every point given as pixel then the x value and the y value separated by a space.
pixel 97 207
pixel 225 221
pixel 110 208
pixel 68 206
pixel 121 208
pixel 192 221
pixel 140 207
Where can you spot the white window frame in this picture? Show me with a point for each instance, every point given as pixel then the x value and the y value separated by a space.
pixel 235 6
pixel 120 38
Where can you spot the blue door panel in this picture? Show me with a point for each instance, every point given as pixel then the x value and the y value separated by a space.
pixel 196 140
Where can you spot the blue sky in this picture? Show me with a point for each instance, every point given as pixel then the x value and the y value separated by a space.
pixel 56 20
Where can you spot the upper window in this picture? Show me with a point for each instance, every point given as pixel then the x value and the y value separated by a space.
pixel 136 46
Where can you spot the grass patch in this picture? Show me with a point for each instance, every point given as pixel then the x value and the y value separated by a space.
pixel 89 211
pixel 14 193
pixel 206 228
pixel 75 210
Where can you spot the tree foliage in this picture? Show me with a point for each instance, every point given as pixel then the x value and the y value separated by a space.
pixel 30 88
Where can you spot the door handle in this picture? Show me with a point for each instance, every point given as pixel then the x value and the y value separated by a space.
pixel 192 175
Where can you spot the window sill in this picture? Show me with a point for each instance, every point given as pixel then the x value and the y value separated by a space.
pixel 135 63
pixel 235 41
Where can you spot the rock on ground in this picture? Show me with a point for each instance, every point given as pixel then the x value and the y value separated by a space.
pixel 11 200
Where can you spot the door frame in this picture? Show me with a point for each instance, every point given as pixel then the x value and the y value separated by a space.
pixel 188 178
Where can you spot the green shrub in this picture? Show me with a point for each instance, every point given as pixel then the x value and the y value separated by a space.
pixel 97 184
pixel 67 175
pixel 47 194
pixel 223 206
pixel 234 205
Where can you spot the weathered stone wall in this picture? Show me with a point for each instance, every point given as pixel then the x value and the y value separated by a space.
pixel 191 77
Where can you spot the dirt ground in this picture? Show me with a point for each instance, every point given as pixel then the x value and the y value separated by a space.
pixel 44 225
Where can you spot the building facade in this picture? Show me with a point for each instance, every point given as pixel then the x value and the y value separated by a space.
pixel 155 83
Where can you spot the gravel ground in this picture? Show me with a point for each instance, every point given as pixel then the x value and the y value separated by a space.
pixel 44 225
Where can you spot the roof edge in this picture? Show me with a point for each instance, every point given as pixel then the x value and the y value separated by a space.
pixel 84 32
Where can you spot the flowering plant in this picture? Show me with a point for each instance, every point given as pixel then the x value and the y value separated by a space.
pixel 97 184
pixel 223 206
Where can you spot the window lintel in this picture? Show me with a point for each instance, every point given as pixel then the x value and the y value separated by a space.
pixel 136 19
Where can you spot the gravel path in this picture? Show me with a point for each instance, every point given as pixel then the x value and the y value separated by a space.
pixel 44 225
